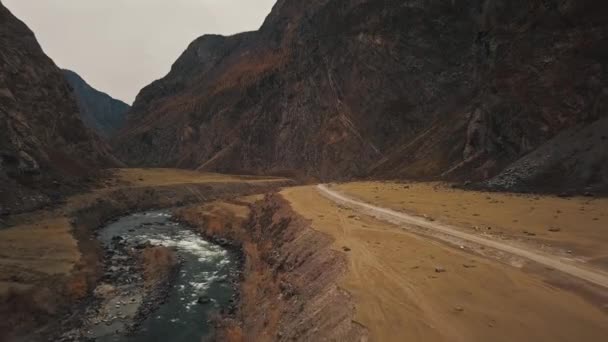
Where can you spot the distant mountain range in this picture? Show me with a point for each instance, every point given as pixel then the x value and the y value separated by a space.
pixel 100 112
pixel 452 90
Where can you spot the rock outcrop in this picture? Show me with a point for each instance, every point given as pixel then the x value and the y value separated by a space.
pixel 45 150
pixel 100 112
pixel 385 88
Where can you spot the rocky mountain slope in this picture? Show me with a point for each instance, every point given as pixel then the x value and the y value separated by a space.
pixel 385 88
pixel 100 112
pixel 45 150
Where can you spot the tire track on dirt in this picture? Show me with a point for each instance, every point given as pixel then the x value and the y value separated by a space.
pixel 594 276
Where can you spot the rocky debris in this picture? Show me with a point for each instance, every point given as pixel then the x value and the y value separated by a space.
pixel 440 269
pixel 203 300
pixel 124 299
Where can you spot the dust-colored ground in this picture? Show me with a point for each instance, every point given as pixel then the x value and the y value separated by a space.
pixel 409 288
pixel 48 258
pixel 577 226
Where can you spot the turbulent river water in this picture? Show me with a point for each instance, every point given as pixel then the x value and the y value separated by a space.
pixel 205 273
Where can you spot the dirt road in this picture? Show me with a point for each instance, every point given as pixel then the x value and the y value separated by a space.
pixel 411 287
pixel 594 276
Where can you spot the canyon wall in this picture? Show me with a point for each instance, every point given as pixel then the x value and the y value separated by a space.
pixel 456 90
pixel 45 150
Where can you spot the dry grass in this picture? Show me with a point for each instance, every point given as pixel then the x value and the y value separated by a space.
pixel 158 262
pixel 29 253
pixel 400 296
pixel 160 177
pixel 574 224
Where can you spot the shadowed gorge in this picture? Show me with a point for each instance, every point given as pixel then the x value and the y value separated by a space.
pixel 99 112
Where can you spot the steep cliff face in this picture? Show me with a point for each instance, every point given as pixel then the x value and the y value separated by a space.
pixel 44 147
pixel 100 112
pixel 342 88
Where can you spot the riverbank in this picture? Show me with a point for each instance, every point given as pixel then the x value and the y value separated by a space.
pixel 36 293
pixel 289 287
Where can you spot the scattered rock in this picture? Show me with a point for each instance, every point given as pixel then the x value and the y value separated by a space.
pixel 439 269
pixel 203 300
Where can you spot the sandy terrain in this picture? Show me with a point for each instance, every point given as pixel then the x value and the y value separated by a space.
pixel 409 288
pixel 575 226
pixel 509 250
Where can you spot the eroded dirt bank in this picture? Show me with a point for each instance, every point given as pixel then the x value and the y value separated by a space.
pixel 290 273
pixel 36 293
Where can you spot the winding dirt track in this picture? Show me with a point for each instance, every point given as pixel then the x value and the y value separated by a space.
pixel 596 277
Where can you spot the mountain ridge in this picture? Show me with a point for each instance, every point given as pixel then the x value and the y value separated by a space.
pixel 99 111
pixel 449 90
pixel 45 150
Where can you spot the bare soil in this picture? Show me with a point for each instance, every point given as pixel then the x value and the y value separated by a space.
pixel 573 226
pixel 410 288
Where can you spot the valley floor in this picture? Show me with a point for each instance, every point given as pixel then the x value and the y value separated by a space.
pixel 50 259
pixel 394 281
pixel 407 286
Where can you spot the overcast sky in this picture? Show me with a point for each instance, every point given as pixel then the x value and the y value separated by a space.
pixel 119 46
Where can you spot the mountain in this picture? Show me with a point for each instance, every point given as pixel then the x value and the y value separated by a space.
pixel 456 90
pixel 45 150
pixel 100 112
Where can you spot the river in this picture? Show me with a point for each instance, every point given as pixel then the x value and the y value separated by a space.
pixel 201 289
